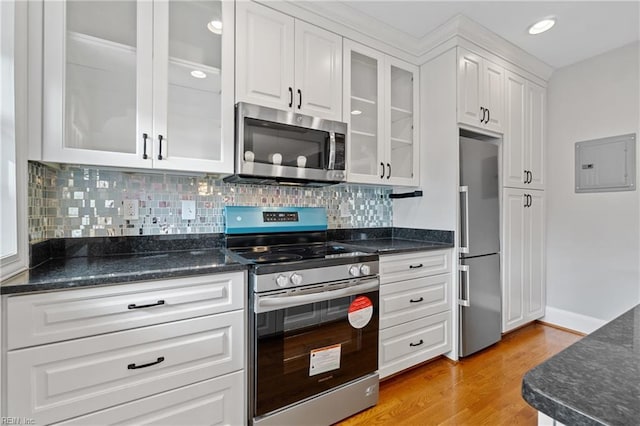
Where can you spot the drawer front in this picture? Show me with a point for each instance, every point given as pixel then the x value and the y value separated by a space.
pixel 412 299
pixel 212 402
pixel 406 345
pixel 62 380
pixel 401 267
pixel 69 314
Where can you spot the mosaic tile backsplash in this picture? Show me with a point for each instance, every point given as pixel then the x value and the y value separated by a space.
pixel 90 202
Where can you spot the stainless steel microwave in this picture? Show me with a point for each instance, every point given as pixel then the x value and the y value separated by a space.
pixel 274 146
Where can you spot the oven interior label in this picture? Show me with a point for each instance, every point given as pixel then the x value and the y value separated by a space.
pixel 360 312
pixel 324 359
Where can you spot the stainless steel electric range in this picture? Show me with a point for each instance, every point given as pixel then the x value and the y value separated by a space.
pixel 313 317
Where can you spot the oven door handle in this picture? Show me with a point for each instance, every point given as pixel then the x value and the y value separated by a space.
pixel 273 303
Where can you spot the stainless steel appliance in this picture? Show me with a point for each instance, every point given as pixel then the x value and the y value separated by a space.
pixel 274 146
pixel 313 317
pixel 480 294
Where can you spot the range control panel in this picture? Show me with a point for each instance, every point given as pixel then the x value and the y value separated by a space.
pixel 280 216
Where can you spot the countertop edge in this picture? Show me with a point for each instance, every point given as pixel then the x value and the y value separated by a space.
pixel 546 404
pixel 113 279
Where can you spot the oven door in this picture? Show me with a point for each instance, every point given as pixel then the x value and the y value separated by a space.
pixel 310 343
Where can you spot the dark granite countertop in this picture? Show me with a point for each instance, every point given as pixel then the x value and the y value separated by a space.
pixel 595 381
pixel 395 245
pixel 394 240
pixel 58 274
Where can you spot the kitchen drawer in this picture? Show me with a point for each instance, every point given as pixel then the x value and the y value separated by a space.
pixel 411 343
pixel 69 314
pixel 400 267
pixel 212 402
pixel 59 381
pixel 412 299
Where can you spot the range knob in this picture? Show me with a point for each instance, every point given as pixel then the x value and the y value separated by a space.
pixel 281 280
pixel 354 271
pixel 295 278
pixel 365 269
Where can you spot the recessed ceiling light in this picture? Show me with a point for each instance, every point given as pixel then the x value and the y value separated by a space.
pixel 198 74
pixel 542 26
pixel 356 112
pixel 215 26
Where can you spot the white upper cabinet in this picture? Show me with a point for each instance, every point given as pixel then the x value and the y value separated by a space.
pixel 381 109
pixel 480 92
pixel 264 56
pixel 524 133
pixel 139 84
pixel 287 64
pixel 536 134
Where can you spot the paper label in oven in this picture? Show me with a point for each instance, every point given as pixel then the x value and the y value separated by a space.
pixel 324 359
pixel 360 312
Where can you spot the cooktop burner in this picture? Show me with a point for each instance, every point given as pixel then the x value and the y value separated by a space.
pixel 276 254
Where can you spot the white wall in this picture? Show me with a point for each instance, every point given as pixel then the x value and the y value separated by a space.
pixel 593 239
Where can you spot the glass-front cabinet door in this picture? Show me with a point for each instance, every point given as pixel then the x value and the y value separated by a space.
pixel 95 106
pixel 363 112
pixel 193 85
pixel 402 135
pixel 138 84
pixel 381 110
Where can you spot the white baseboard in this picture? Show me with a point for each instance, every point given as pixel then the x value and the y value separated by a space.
pixel 571 320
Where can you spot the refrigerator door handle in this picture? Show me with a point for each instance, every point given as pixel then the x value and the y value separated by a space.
pixel 463 297
pixel 464 222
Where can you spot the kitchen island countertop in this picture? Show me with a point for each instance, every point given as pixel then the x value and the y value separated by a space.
pixel 75 272
pixel 595 381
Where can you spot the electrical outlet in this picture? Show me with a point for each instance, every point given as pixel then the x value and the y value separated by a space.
pixel 188 210
pixel 130 209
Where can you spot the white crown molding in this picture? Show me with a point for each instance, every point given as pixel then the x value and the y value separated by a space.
pixel 344 20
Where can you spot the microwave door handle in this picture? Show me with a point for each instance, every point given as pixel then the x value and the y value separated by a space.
pixel 332 151
pixel 273 303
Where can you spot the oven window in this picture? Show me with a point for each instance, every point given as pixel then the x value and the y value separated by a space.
pixel 305 350
pixel 296 146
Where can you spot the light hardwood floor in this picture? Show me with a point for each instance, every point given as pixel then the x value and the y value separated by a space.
pixel 482 389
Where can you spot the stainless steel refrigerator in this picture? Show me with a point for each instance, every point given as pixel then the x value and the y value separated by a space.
pixel 479 293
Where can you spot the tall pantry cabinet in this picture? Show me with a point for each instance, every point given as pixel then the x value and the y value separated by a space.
pixel 523 203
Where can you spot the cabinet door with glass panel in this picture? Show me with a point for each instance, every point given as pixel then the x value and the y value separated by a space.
pixel 380 107
pixel 401 123
pixel 138 84
pixel 364 112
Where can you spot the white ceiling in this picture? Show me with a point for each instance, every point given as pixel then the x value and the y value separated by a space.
pixel 583 29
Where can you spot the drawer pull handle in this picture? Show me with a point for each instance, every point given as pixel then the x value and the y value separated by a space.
pixel 417 344
pixel 415 266
pixel 158 361
pixel 134 306
pixel 416 300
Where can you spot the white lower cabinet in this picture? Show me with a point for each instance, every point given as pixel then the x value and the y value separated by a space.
pixel 184 366
pixel 212 402
pixel 524 290
pixel 415 309
pixel 411 343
